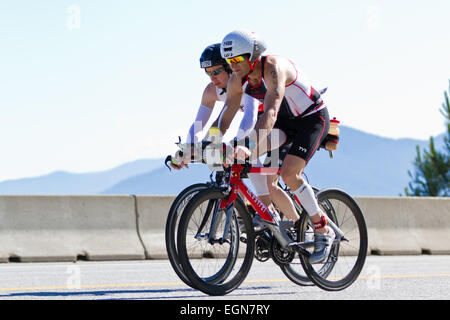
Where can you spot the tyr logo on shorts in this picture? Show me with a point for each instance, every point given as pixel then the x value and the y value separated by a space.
pixel 302 149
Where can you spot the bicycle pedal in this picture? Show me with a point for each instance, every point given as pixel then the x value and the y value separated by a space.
pixel 297 246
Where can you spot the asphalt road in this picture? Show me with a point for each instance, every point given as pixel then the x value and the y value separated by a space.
pixel 422 277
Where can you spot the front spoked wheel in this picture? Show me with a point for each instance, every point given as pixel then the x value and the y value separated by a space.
pixel 172 222
pixel 348 254
pixel 215 251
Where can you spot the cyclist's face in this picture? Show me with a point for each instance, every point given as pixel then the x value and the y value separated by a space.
pixel 220 80
pixel 240 68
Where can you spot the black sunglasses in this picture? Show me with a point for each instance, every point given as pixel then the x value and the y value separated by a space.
pixel 215 72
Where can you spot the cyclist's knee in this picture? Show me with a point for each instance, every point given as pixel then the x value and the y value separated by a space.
pixel 291 178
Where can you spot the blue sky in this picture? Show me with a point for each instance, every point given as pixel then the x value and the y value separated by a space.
pixel 124 82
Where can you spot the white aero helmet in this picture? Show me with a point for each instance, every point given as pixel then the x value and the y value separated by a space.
pixel 241 42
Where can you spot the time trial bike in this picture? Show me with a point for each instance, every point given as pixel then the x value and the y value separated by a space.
pixel 216 239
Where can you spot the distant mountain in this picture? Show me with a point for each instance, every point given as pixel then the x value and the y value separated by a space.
pixel 61 182
pixel 363 165
pixel 366 164
pixel 162 181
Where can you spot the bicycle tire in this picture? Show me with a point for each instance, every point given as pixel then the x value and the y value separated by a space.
pixel 332 201
pixel 172 220
pixel 224 286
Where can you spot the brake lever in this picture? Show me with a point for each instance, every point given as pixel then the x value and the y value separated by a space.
pixel 168 159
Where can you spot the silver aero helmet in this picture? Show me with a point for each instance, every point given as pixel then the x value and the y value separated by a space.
pixel 240 42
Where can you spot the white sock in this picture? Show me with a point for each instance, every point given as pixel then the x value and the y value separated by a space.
pixel 307 199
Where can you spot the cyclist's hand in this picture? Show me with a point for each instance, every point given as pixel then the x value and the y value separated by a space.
pixel 177 161
pixel 179 166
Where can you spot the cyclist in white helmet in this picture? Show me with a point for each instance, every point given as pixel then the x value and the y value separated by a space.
pixel 219 72
pixel 292 107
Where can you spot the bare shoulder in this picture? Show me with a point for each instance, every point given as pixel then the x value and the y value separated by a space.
pixel 277 61
pixel 209 96
pixel 210 91
pixel 279 67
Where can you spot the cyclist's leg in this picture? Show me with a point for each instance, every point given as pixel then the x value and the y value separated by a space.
pixel 323 235
pixel 312 130
pixel 291 174
pixel 260 185
pixel 279 145
pixel 281 199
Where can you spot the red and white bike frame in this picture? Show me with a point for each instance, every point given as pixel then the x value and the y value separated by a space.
pixel 237 184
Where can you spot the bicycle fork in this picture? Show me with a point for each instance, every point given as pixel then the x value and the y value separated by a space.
pixel 213 207
pixel 216 209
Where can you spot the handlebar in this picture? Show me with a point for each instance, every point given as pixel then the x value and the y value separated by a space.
pixel 200 153
pixel 205 152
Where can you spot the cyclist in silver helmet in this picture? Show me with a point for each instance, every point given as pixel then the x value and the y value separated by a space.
pixel 292 107
pixel 219 72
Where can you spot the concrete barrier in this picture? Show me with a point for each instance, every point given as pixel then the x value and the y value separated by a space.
pixel 152 215
pixel 396 225
pixel 62 228
pixel 66 228
pixel 407 225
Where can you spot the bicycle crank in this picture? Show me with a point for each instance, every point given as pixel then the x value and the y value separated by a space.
pixel 279 255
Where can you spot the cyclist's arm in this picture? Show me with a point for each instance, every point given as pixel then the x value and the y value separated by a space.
pixel 216 122
pixel 275 80
pixel 250 116
pixel 232 104
pixel 204 112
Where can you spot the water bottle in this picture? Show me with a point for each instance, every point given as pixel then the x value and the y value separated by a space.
pixel 334 127
pixel 213 154
pixel 332 144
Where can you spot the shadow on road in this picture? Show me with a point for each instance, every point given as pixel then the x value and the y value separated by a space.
pixel 159 293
